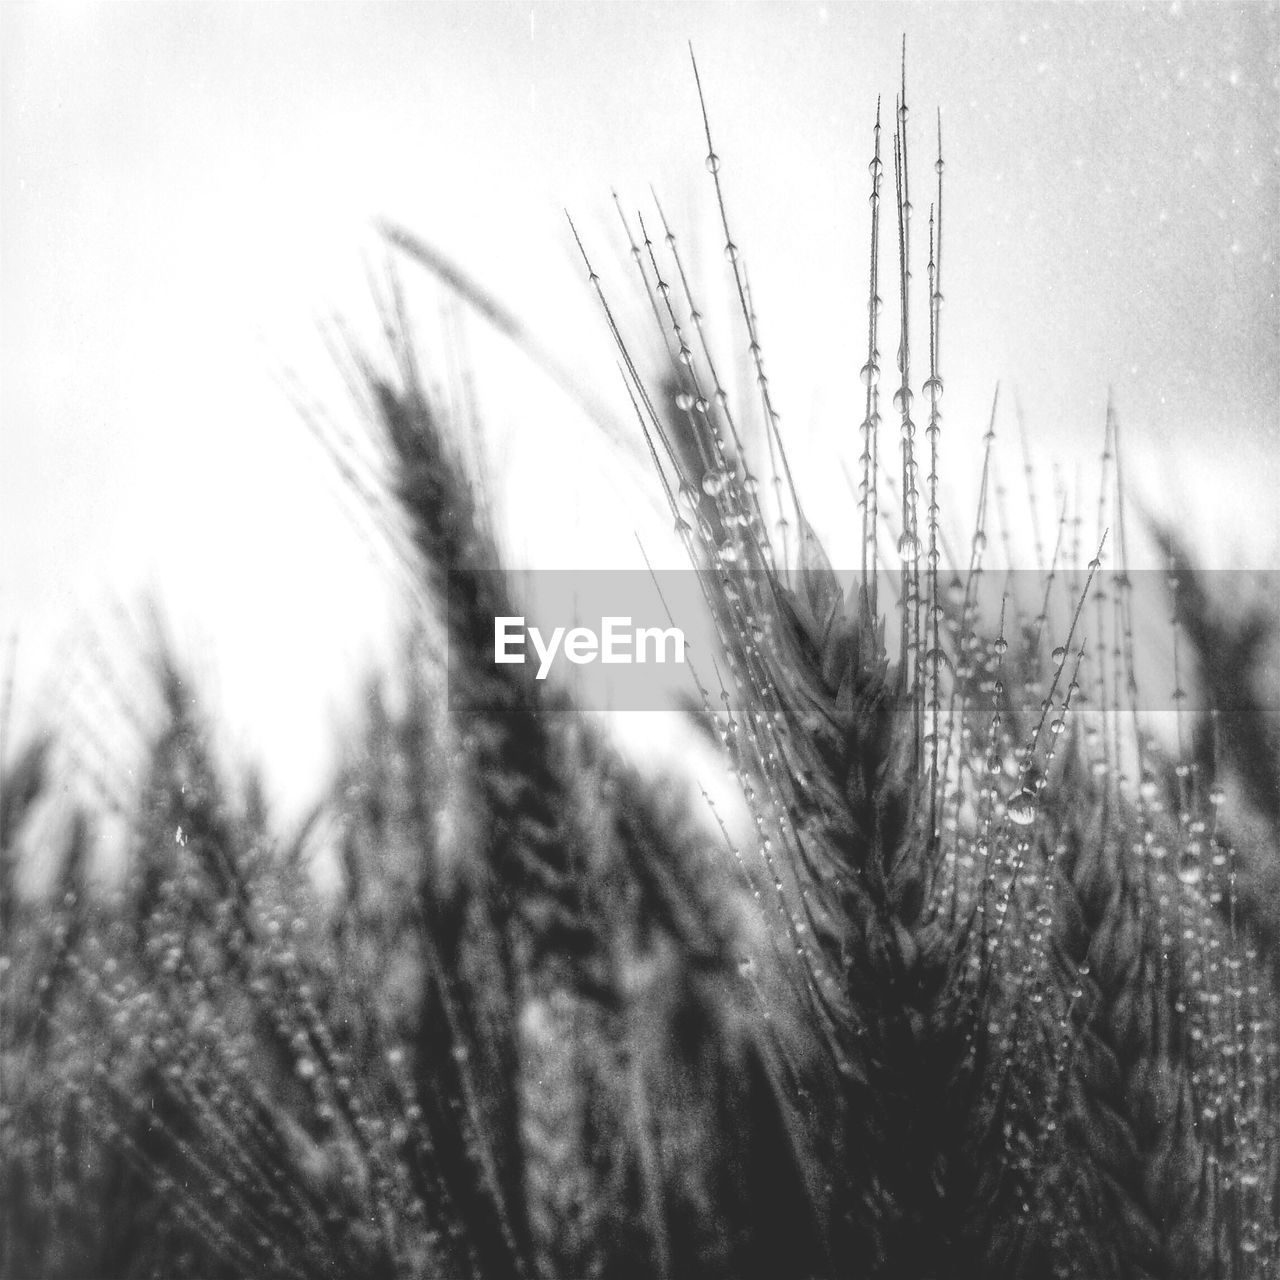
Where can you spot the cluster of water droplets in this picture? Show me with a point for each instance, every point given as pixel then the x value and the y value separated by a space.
pixel 1021 734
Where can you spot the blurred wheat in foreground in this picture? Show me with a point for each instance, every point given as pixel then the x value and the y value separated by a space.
pixel 989 991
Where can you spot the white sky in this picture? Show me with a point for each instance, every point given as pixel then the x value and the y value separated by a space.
pixel 186 189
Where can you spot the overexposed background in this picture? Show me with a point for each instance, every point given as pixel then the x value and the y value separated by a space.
pixel 187 189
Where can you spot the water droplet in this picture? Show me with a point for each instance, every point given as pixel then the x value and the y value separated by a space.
pixel 909 548
pixel 731 252
pixel 713 163
pixel 712 483
pixel 1189 868
pixel 684 402
pixel 1022 808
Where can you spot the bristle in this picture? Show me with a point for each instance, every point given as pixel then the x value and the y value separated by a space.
pixel 871 380
pixel 734 257
pixel 505 323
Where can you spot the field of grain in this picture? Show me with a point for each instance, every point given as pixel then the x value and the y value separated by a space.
pixel 939 935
